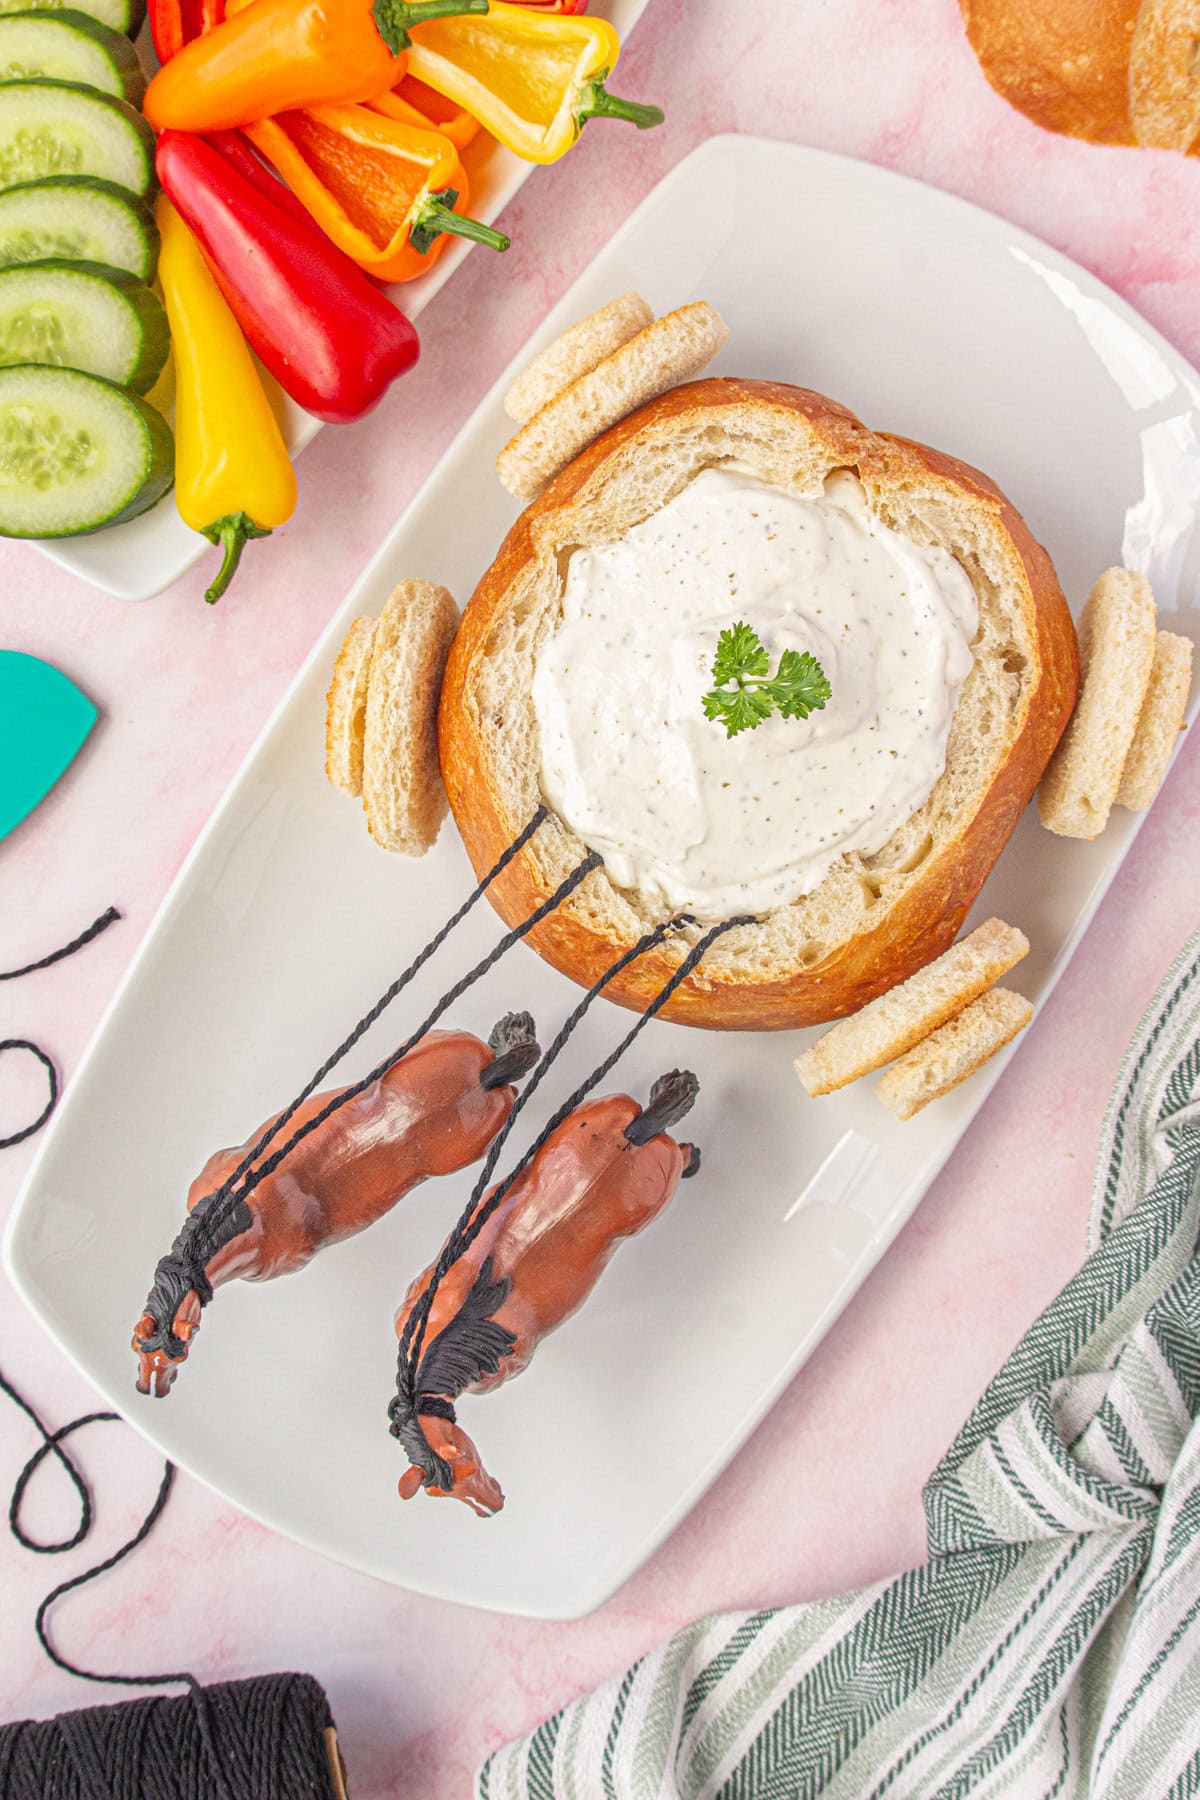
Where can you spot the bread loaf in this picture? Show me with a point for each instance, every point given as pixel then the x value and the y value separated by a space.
pixel 1111 71
pixel 874 919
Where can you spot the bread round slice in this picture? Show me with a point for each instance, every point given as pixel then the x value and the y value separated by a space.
pixel 674 348
pixel 1116 645
pixel 346 709
pixel 954 1052
pixel 576 353
pixel 402 794
pixel 874 919
pixel 1160 721
pixel 912 1010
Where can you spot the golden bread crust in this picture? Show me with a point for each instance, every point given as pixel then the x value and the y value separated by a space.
pixel 1063 63
pixel 926 919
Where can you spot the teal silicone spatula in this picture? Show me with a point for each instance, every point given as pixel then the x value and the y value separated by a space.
pixel 44 720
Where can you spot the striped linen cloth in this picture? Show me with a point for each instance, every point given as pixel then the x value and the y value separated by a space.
pixel 1050 1647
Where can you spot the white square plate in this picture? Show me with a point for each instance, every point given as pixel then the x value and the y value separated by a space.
pixel 138 560
pixel 929 318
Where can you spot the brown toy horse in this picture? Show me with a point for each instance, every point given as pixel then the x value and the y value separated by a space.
pixel 433 1112
pixel 601 1176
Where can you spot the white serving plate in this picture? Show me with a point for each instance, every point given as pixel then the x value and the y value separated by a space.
pixel 138 560
pixel 931 318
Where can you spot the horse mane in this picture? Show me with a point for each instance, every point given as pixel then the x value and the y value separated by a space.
pixel 469 1345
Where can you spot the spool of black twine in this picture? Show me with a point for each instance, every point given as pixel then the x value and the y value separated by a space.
pixel 268 1738
pixel 274 1735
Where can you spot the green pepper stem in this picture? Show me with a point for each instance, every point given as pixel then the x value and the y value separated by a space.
pixel 231 535
pixel 435 214
pixel 595 102
pixel 396 18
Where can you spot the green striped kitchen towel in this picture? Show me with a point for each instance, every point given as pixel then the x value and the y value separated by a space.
pixel 1051 1644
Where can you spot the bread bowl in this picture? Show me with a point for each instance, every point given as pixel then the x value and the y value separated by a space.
pixel 877 915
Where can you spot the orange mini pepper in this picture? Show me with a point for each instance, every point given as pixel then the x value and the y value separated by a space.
pixel 279 54
pixel 413 103
pixel 386 192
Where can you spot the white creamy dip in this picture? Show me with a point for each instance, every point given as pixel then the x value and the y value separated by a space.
pixel 699 821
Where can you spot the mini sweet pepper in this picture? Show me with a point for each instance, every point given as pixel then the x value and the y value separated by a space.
pixel 174 23
pixel 325 332
pixel 386 192
pixel 233 477
pixel 279 54
pixel 413 103
pixel 531 78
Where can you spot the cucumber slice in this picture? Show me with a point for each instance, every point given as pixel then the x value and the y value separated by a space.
pixel 69 46
pixel 83 316
pixel 56 128
pixel 76 453
pixel 69 218
pixel 120 15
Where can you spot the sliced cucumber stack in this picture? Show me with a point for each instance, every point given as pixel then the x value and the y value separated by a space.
pixel 119 15
pixel 68 217
pixel 69 46
pixel 56 128
pixel 76 453
pixel 83 316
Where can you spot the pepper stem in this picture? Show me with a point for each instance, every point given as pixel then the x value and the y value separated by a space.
pixel 231 535
pixel 435 214
pixel 595 102
pixel 396 18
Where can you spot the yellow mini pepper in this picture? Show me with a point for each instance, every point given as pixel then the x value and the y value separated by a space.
pixel 532 79
pixel 386 192
pixel 233 477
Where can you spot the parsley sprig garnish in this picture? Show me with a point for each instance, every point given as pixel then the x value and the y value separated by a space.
pixel 797 688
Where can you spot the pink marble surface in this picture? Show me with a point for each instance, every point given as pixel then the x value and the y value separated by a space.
pixel 826 1496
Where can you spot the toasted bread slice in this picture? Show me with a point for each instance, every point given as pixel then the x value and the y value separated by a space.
pixel 1160 723
pixel 1164 74
pixel 673 349
pixel 402 791
pixel 897 1020
pixel 346 708
pixel 1116 648
pixel 954 1051
pixel 577 352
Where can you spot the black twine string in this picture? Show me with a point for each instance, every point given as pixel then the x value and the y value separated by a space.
pixel 27 1131
pixel 551 1054
pixel 77 943
pixel 206 1228
pixel 384 1001
pixel 51 1444
pixel 107 918
pixel 403 1407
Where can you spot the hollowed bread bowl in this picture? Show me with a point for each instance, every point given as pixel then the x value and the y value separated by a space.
pixel 874 919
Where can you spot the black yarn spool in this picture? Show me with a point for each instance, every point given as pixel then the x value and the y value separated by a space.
pixel 274 1735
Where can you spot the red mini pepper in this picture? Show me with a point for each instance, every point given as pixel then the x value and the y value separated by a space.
pixel 174 23
pixel 329 337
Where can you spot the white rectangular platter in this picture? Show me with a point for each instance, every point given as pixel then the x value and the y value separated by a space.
pixel 138 560
pixel 930 318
